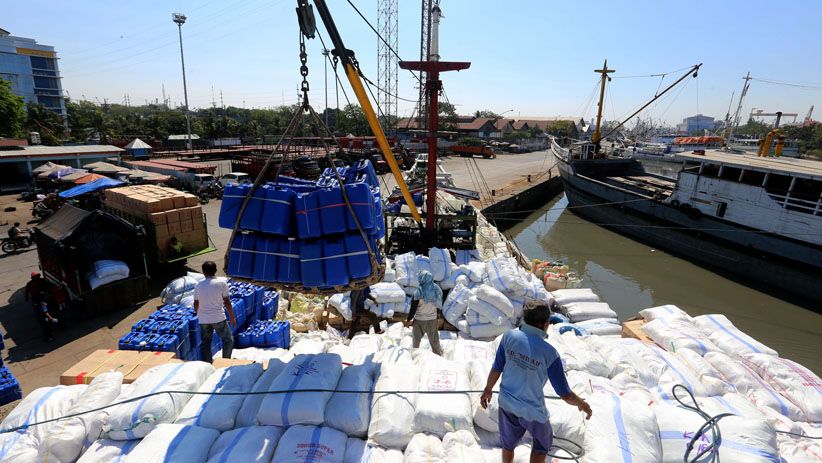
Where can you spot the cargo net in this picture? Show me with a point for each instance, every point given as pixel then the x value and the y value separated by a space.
pixel 313 237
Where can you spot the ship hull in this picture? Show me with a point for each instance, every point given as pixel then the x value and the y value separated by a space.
pixel 788 268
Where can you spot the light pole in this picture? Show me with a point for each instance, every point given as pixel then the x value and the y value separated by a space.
pixel 180 19
pixel 325 79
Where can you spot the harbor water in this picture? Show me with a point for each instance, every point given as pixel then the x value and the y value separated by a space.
pixel 631 276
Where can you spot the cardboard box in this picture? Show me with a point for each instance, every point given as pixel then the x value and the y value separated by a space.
pixel 100 361
pixel 191 200
pixel 166 203
pixel 173 216
pixel 151 204
pixel 186 226
pixel 158 218
pixel 633 329
pixel 161 231
pixel 197 223
pixel 174 228
pixel 179 201
pixel 148 365
pixel 222 363
pixel 185 214
pixel 197 213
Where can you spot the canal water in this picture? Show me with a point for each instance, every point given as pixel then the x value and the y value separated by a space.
pixel 631 276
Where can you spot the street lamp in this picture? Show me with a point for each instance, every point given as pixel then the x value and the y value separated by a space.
pixel 505 112
pixel 325 79
pixel 180 19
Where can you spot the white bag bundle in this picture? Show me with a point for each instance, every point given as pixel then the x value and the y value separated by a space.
pixel 476 271
pixel 247 415
pixel 385 310
pixel 262 354
pixel 390 275
pixel 484 418
pixel 793 381
pixel 507 276
pixel 387 292
pixel 578 355
pixel 567 296
pixel 43 404
pixel 601 326
pixel 440 263
pixel 567 421
pixel 219 412
pixel 798 450
pixel 668 311
pixel 66 439
pixel 392 415
pixel 315 444
pixel 751 385
pixel 454 273
pixel 672 371
pixel 342 302
pixel 743 438
pixel 710 378
pixel 465 256
pixel 729 338
pixel 621 430
pixel 135 420
pixel 19 447
pixel 674 334
pixel 483 312
pixel 406 268
pixel 306 346
pixel 440 413
pixel 111 268
pixel 349 412
pixel 425 448
pixel 312 371
pixel 360 451
pixel 465 350
pixel 489 330
pixel 623 356
pixel 456 303
pixel 248 444
pixel 174 443
pixel 108 451
pixel 495 298
pixel 174 290
pixel 581 311
pixel 461 447
pixel 424 264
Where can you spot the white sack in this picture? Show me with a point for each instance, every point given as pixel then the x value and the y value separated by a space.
pixel 307 346
pixel 600 327
pixel 359 451
pixel 475 271
pixel 66 439
pixel 176 288
pixel 387 292
pixel 489 330
pixel 136 419
pixel 465 350
pixel 108 451
pixel 313 371
pixel 392 415
pixel 485 312
pixel 668 311
pixel 621 431
pixel 247 415
pixel 249 444
pixel 495 298
pixel 456 303
pixel 624 357
pixel 507 276
pixel 423 264
pixel 351 413
pixel 576 354
pixel 110 268
pixel 425 448
pixel 342 302
pixel 567 296
pixel 440 263
pixel 262 354
pixel 18 447
pixel 390 275
pixel 314 444
pixel 174 443
pixel 407 271
pixel 580 311
pixel 710 378
pixel 729 338
pixel 440 413
pixel 796 383
pixel 675 334
pixel 42 404
pixel 462 447
pixel 219 412
pixel 672 371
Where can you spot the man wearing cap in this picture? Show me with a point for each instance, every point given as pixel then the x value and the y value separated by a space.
pixel 36 288
pixel 526 362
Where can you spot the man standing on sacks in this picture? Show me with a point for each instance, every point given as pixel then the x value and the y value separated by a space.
pixel 526 362
pixel 210 296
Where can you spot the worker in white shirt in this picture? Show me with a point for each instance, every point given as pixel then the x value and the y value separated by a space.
pixel 210 296
pixel 427 301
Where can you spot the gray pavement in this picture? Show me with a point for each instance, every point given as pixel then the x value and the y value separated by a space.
pixel 36 363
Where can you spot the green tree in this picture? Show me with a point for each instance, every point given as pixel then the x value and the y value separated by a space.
pixel 448 116
pixel 561 129
pixel 753 129
pixel 486 113
pixel 352 120
pixel 48 123
pixel 12 111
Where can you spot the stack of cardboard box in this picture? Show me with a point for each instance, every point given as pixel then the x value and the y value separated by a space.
pixel 130 363
pixel 173 213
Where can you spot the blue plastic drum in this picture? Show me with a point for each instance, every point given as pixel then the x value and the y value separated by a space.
pixel 332 211
pixel 358 260
pixel 311 263
pixel 362 201
pixel 307 215
pixel 266 260
pixel 289 262
pixel 278 214
pixel 253 214
pixel 335 262
pixel 241 256
pixel 233 196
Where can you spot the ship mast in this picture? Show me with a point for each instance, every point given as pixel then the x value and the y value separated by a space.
pixel 598 130
pixel 729 131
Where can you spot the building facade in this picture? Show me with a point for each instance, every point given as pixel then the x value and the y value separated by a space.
pixel 697 124
pixel 33 71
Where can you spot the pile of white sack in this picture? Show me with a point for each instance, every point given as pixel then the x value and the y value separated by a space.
pixel 181 290
pixel 375 399
pixel 107 271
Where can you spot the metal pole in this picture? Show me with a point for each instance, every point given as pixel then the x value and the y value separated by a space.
pixel 433 83
pixel 185 87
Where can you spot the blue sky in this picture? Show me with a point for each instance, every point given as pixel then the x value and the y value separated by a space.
pixel 535 57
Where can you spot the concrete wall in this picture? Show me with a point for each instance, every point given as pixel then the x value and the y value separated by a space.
pixel 513 209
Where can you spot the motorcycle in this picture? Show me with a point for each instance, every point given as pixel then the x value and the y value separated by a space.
pixel 12 245
pixel 40 210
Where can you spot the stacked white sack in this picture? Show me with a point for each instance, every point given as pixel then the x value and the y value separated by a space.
pixel 315 444
pixel 576 354
pixel 390 275
pixel 425 448
pixel 360 451
pixel 247 415
pixel 668 311
pixel 743 438
pixel 441 412
pixel 793 381
pixel 384 310
pixel 174 443
pixel 729 338
pixel 253 444
pixel 456 303
pixel 405 266
pixel 262 354
pixel 342 302
pixel 66 438
pixel 581 311
pixel 709 376
pixel 671 371
pixel 674 334
pixel 423 264
pixel 621 431
pixel 462 447
pixel 752 385
pixel 504 274
pixel 135 420
pixel 305 372
pixel 219 412
pixel 567 296
pixel 623 356
pixel 601 326
pixel 351 412
pixel 107 451
pixel 440 260
pixel 392 415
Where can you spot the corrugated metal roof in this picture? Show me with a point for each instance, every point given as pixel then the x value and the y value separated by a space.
pixel 137 144
pixel 800 167
pixel 155 165
pixel 40 151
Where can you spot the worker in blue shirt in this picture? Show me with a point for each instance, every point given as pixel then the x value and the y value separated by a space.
pixel 526 361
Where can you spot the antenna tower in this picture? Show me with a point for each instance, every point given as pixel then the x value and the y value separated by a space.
pixel 387 67
pixel 425 48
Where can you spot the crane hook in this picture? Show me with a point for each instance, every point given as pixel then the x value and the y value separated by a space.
pixel 305 16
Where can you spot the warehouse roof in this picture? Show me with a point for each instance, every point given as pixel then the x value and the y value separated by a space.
pixel 45 151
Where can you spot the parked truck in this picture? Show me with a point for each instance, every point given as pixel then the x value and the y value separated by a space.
pixel 468 151
pixel 190 176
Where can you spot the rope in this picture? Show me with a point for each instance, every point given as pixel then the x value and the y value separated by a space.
pixel 711 424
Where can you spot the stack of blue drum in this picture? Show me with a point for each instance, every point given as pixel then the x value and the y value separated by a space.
pixel 9 386
pixel 299 232
pixel 265 333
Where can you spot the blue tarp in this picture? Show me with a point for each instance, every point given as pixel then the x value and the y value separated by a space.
pixel 98 184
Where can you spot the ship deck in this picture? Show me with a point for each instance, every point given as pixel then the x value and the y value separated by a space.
pixel 792 166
